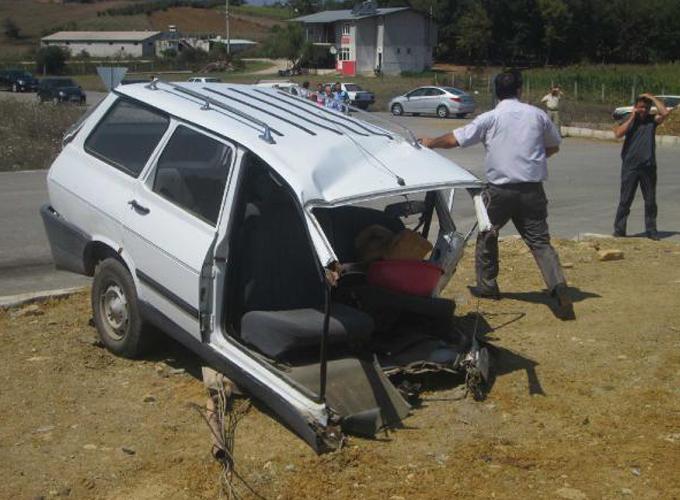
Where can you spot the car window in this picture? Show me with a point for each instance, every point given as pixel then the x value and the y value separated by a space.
pixel 64 83
pixel 431 92
pixel 351 87
pixel 192 173
pixel 454 91
pixel 417 93
pixel 671 101
pixel 127 135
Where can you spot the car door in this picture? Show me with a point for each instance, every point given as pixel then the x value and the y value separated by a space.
pixel 431 100
pixel 172 221
pixel 413 100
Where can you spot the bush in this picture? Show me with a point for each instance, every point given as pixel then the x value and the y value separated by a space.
pixel 51 60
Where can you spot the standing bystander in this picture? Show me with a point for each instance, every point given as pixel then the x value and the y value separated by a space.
pixel 518 139
pixel 638 165
pixel 552 104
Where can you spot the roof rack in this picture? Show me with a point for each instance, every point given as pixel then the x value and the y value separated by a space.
pixel 277 106
pixel 308 104
pixel 282 118
pixel 209 101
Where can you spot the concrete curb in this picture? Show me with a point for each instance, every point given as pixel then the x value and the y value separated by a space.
pixel 608 135
pixel 26 298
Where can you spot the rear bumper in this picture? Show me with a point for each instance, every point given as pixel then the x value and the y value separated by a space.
pixel 67 242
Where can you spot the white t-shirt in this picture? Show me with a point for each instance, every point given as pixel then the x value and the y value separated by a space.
pixel 515 136
pixel 552 102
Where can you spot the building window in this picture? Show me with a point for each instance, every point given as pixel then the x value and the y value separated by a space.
pixel 344 54
pixel 398 50
pixel 345 29
pixel 408 50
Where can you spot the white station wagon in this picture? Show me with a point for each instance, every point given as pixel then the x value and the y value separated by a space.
pixel 227 216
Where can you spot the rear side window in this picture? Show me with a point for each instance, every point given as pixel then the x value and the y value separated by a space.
pixel 192 173
pixel 127 135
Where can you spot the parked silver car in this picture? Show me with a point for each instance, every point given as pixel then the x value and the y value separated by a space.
pixel 442 101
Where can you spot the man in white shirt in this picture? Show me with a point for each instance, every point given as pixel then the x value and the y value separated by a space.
pixel 518 139
pixel 552 104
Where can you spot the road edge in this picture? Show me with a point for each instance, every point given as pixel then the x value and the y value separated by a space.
pixel 9 301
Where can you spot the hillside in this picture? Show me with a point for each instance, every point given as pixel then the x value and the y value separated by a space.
pixel 35 18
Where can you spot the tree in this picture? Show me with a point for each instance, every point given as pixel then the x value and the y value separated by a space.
pixel 474 32
pixel 556 20
pixel 51 60
pixel 10 28
pixel 288 43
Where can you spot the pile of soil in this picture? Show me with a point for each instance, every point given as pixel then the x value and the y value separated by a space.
pixel 578 409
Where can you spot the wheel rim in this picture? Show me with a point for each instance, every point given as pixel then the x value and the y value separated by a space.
pixel 396 109
pixel 442 112
pixel 115 312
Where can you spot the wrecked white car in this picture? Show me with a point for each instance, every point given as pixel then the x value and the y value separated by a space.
pixel 244 223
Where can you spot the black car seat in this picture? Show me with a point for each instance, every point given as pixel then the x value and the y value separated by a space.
pixel 282 293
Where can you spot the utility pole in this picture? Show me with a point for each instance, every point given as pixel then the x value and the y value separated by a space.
pixel 226 15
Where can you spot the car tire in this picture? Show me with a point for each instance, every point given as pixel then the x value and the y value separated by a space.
pixel 397 109
pixel 461 115
pixel 116 310
pixel 55 100
pixel 443 112
pixel 415 114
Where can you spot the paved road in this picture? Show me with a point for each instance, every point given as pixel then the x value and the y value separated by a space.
pixel 583 192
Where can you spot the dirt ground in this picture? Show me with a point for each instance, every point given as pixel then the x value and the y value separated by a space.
pixel 579 409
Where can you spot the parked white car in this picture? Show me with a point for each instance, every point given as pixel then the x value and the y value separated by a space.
pixel 204 79
pixel 670 101
pixel 286 85
pixel 358 97
pixel 202 209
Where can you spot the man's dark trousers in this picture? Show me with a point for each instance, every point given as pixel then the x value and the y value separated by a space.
pixel 631 176
pixel 526 205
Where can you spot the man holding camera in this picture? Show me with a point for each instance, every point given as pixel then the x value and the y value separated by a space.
pixel 638 166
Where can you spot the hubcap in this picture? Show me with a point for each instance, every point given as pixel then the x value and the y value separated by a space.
pixel 114 308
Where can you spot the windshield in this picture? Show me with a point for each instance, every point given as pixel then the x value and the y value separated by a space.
pixel 671 101
pixel 351 87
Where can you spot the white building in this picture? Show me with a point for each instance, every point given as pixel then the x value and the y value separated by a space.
pixel 119 44
pixel 367 38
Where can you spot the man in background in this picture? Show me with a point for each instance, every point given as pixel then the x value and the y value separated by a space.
pixel 518 139
pixel 638 165
pixel 552 104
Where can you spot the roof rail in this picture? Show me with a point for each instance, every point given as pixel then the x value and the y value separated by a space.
pixel 282 118
pixel 301 117
pixel 209 101
pixel 308 104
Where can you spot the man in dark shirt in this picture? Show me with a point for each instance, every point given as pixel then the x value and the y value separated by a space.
pixel 638 157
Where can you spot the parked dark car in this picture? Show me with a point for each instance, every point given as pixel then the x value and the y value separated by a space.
pixel 60 90
pixel 18 80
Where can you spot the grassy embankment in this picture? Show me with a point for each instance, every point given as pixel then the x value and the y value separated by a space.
pixel 31 133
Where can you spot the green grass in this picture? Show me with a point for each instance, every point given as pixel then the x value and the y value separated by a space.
pixel 264 11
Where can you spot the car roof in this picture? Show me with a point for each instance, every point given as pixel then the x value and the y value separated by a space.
pixel 326 157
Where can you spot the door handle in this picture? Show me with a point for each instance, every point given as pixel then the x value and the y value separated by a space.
pixel 138 208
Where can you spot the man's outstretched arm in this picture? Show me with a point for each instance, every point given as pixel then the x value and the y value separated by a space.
pixel 446 141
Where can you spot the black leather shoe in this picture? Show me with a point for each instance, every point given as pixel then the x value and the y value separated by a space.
pixel 653 235
pixel 565 306
pixel 485 292
pixel 617 234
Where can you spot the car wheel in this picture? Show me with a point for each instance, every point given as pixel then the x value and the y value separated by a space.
pixel 442 112
pixel 15 87
pixel 116 310
pixel 461 115
pixel 415 114
pixel 397 110
pixel 55 100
